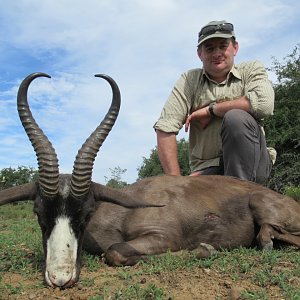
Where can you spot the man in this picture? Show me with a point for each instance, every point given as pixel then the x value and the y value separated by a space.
pixel 224 106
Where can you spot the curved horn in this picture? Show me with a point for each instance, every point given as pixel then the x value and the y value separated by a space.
pixel 83 165
pixel 46 156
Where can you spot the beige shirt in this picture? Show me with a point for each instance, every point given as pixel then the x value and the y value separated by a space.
pixel 195 90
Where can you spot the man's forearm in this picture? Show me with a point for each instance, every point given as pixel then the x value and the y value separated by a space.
pixel 220 109
pixel 167 152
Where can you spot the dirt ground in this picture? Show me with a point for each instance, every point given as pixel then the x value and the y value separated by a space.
pixel 199 283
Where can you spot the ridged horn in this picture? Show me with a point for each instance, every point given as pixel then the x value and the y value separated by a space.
pixel 46 156
pixel 83 165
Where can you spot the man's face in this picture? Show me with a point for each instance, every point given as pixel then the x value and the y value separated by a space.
pixel 217 55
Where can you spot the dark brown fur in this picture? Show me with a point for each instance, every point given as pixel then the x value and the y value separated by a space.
pixel 219 211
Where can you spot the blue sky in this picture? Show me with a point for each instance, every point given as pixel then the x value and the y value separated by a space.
pixel 144 45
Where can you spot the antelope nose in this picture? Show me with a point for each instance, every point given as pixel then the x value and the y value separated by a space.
pixel 62 276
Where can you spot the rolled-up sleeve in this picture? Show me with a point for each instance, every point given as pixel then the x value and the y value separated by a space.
pixel 259 90
pixel 176 108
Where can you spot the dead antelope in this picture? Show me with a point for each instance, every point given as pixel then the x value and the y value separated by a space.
pixel 149 217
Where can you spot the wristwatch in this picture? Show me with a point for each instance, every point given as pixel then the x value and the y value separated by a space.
pixel 211 108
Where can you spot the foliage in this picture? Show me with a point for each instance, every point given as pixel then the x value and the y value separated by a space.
pixel 24 210
pixel 151 166
pixel 12 177
pixel 183 157
pixel 293 192
pixel 115 180
pixel 283 128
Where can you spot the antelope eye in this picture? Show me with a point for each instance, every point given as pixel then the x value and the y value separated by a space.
pixel 88 216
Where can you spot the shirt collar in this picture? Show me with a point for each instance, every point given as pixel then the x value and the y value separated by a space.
pixel 234 71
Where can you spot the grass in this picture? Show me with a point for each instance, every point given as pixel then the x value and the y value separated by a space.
pixel 258 274
pixel 20 246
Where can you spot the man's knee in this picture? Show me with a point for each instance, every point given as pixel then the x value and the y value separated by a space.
pixel 235 117
pixel 237 121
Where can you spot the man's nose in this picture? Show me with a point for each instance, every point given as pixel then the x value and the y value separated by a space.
pixel 217 51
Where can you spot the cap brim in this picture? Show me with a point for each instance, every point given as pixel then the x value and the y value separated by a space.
pixel 217 35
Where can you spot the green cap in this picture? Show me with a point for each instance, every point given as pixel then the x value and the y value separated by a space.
pixel 215 29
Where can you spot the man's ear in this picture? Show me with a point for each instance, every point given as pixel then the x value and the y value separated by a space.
pixel 199 54
pixel 236 48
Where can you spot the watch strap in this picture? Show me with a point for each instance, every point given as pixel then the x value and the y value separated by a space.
pixel 211 108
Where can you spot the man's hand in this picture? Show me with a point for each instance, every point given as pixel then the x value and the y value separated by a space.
pixel 201 115
pixel 195 174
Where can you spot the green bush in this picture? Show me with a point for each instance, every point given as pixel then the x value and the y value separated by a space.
pixel 293 192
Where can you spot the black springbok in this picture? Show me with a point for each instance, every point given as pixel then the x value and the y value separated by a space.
pixel 149 217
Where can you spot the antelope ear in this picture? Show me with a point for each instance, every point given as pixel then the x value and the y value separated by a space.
pixel 19 193
pixel 107 194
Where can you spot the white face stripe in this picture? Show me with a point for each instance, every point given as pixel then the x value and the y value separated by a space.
pixel 61 258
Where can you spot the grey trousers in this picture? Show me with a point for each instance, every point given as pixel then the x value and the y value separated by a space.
pixel 245 154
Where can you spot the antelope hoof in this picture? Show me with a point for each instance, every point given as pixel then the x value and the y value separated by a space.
pixel 212 251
